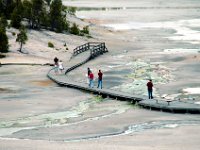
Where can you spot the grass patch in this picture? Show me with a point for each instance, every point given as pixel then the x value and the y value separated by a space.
pixel 134 106
pixel 98 98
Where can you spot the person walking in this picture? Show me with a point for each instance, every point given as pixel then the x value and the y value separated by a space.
pixel 100 76
pixel 88 75
pixel 56 64
pixel 91 81
pixel 60 66
pixel 150 89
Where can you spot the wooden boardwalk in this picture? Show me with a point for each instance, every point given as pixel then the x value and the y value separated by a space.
pixel 88 51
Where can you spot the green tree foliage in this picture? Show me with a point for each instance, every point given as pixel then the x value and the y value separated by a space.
pixel 74 29
pixel 72 10
pixel 9 6
pixel 3 22
pixel 17 15
pixel 48 2
pixel 48 14
pixel 22 37
pixel 3 40
pixel 27 13
pixel 37 13
pixel 57 19
pixel 2 7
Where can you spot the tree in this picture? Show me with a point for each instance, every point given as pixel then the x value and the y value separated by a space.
pixel 27 13
pixel 17 15
pixel 2 7
pixel 9 6
pixel 57 19
pixel 3 21
pixel 48 2
pixel 3 40
pixel 16 18
pixel 37 13
pixel 22 37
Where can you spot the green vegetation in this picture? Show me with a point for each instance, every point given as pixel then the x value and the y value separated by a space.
pixel 16 15
pixel 85 30
pixel 35 14
pixel 74 29
pixel 22 37
pixel 99 98
pixel 50 45
pixel 46 14
pixel 3 37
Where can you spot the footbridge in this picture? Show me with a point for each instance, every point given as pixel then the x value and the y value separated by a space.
pixel 88 51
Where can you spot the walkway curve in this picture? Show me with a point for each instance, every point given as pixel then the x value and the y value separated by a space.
pixel 175 106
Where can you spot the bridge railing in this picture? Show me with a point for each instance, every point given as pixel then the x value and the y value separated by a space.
pixel 81 49
pixel 88 46
pixel 98 50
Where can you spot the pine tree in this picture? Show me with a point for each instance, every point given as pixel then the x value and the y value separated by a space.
pixel 27 13
pixel 3 40
pixel 9 6
pixel 22 37
pixel 57 21
pixel 16 18
pixel 37 13
pixel 48 2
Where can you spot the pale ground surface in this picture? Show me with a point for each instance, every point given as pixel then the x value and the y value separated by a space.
pixel 37 114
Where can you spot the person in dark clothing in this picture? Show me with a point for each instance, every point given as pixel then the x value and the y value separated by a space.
pixel 88 71
pixel 56 64
pixel 100 76
pixel 150 89
pixel 55 61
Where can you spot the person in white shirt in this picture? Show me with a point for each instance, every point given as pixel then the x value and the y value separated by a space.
pixel 60 66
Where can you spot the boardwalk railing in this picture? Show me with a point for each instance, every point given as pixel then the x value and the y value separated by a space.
pixel 92 46
pixel 96 49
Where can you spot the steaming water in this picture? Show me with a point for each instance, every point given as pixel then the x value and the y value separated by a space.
pixel 183 28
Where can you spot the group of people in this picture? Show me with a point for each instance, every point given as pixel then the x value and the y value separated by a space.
pixel 58 64
pixel 59 67
pixel 90 76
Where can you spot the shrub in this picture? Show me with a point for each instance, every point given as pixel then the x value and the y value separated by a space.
pixel 74 29
pixel 50 45
pixel 85 30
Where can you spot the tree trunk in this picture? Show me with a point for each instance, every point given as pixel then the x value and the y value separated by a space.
pixel 20 47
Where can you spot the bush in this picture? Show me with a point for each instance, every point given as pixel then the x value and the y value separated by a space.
pixel 74 29
pixel 85 30
pixel 50 45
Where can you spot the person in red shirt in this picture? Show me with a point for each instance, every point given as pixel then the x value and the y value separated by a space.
pixel 150 89
pixel 100 76
pixel 91 77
